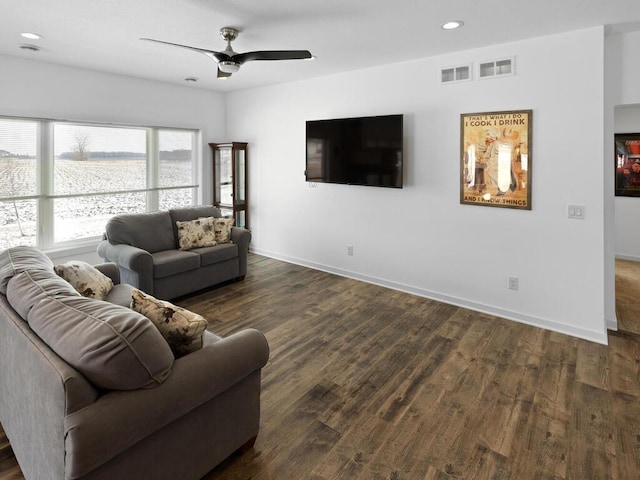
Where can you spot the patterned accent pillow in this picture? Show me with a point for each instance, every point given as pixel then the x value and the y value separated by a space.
pixel 222 227
pixel 182 329
pixel 86 279
pixel 196 233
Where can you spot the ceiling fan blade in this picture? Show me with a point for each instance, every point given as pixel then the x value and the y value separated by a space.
pixel 222 74
pixel 272 55
pixel 217 56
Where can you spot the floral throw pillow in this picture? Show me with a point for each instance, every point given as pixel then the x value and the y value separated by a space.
pixel 182 329
pixel 196 233
pixel 222 227
pixel 86 279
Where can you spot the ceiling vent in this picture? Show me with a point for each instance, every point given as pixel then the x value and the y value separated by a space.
pixel 496 68
pixel 461 73
pixel 29 48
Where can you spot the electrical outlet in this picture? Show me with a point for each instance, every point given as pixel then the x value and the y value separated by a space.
pixel 512 283
pixel 350 250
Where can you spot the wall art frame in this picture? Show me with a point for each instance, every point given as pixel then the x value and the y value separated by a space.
pixel 496 159
pixel 627 164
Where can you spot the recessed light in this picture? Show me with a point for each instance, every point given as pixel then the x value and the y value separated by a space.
pixel 31 48
pixel 452 25
pixel 191 79
pixel 31 36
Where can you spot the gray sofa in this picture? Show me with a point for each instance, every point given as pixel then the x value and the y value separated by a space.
pixel 187 415
pixel 145 248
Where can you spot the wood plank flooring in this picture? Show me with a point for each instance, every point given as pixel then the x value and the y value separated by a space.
pixel 369 383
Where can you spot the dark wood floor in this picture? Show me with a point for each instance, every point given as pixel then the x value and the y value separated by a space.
pixel 369 383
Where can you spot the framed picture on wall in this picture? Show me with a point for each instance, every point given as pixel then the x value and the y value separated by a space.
pixel 627 164
pixel 495 159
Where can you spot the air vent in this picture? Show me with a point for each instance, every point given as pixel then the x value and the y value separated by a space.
pixel 496 68
pixel 460 73
pixel 30 48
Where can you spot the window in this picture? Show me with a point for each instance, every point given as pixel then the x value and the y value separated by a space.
pixel 175 168
pixel 18 182
pixel 62 181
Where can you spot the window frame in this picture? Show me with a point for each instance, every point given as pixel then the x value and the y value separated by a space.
pixel 45 174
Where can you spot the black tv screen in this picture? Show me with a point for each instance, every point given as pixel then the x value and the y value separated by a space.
pixel 356 151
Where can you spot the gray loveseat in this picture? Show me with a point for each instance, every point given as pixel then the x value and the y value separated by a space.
pixel 145 248
pixel 172 419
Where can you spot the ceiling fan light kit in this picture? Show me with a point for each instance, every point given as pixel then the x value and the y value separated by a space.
pixel 228 66
pixel 229 61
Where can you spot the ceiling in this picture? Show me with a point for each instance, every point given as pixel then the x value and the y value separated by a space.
pixel 344 35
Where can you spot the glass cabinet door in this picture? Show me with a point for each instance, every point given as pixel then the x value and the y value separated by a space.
pixel 224 177
pixel 241 219
pixel 240 177
pixel 230 181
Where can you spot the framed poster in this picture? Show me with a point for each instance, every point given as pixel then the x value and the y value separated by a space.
pixel 495 163
pixel 627 164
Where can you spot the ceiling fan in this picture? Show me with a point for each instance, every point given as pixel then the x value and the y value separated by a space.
pixel 229 62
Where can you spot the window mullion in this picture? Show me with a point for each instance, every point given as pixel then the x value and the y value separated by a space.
pixel 197 168
pixel 45 175
pixel 153 167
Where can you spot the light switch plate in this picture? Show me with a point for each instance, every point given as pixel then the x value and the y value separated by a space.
pixel 576 212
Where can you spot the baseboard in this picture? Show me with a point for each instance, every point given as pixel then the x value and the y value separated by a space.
pixel 593 336
pixel 622 256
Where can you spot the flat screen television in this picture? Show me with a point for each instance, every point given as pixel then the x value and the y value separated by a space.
pixel 356 151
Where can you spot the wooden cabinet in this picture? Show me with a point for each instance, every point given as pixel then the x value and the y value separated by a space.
pixel 230 181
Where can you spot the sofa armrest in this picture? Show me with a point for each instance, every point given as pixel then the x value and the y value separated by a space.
pixel 241 237
pixel 127 256
pixel 111 270
pixel 136 262
pixel 117 420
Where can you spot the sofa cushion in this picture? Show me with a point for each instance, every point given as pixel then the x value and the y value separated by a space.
pixel 152 232
pixel 120 294
pixel 181 328
pixel 25 289
pixel 113 347
pixel 196 233
pixel 18 259
pixel 222 229
pixel 219 253
pixel 86 279
pixel 170 262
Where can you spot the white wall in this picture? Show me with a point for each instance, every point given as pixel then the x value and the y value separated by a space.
pixel 37 89
pixel 627 45
pixel 627 223
pixel 420 239
pixel 611 92
pixel 623 71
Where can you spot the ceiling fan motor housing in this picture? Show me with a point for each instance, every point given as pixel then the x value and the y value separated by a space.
pixel 229 33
